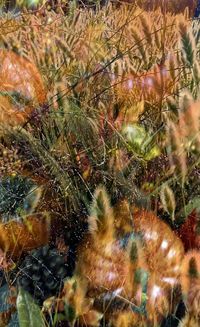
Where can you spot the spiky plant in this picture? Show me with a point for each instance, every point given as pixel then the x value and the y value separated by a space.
pixel 190 281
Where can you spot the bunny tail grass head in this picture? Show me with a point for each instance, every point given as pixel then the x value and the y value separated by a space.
pixel 128 318
pixel 101 217
pixel 123 218
pixel 193 270
pixel 190 281
pixel 190 267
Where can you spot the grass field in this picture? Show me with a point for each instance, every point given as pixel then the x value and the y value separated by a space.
pixel 99 164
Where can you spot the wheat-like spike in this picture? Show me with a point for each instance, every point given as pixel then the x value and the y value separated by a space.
pixel 38 151
pixel 172 64
pixel 145 24
pixel 185 100
pixel 140 47
pixel 172 105
pixel 157 37
pixel 101 218
pixel 196 71
pixel 178 151
pixel 168 200
pixel 189 125
pixel 188 45
pixel 190 272
pixel 64 47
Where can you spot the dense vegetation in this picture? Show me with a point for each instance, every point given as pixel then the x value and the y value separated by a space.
pixel 99 165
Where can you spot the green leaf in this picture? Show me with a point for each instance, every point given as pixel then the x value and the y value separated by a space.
pixel 70 313
pixel 29 312
pixel 152 153
pixel 193 204
pixel 59 317
pixel 141 277
pixel 140 141
pixel 135 136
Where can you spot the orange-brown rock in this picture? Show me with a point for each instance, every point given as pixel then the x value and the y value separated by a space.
pixel 21 88
pixel 111 264
pixel 18 237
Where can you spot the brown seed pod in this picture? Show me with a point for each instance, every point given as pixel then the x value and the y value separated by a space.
pixel 10 162
pixel 190 281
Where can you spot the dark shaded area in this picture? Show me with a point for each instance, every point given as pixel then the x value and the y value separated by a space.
pixel 197 10
pixel 42 273
pixel 173 320
pixel 13 191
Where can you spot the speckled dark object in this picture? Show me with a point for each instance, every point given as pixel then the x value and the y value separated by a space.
pixel 197 10
pixel 13 191
pixel 173 320
pixel 42 273
pixel 170 321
